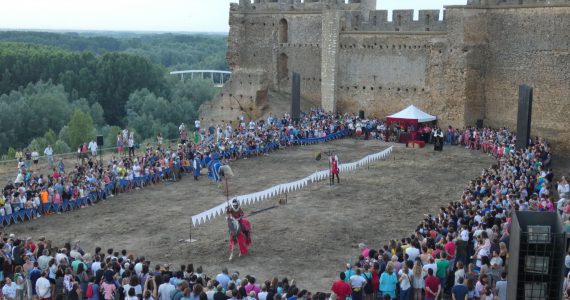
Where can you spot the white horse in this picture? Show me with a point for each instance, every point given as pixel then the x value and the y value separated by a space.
pixel 234 229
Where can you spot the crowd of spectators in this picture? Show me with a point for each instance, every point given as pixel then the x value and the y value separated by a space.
pixel 461 252
pixel 60 189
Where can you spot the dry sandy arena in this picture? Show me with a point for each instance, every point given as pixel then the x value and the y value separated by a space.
pixel 308 239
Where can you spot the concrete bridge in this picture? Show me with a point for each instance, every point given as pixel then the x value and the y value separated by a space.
pixel 219 79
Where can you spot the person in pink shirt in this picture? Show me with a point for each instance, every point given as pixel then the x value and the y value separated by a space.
pixel 56 197
pixel 109 290
pixel 251 286
pixel 364 250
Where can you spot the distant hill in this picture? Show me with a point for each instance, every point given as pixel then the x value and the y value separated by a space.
pixel 172 50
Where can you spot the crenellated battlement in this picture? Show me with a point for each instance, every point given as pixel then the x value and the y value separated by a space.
pixel 302 5
pixel 516 2
pixel 402 20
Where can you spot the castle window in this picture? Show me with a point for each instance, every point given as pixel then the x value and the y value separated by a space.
pixel 283 31
pixel 399 21
pixel 374 21
pixel 427 19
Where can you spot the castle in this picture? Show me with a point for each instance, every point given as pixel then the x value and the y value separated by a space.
pixel 463 68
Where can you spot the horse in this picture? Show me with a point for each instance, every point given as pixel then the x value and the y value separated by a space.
pixel 236 236
pixel 213 170
pixel 217 171
pixel 240 233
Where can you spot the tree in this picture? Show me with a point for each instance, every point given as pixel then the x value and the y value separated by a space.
pixel 97 114
pixel 80 129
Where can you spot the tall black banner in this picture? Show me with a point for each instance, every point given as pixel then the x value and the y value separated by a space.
pixel 296 97
pixel 524 116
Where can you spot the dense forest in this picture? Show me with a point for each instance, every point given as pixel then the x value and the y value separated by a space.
pixel 63 89
pixel 174 51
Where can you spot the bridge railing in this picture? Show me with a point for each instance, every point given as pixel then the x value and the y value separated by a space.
pixel 221 76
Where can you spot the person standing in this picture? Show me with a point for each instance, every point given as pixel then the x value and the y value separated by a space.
pixel 405 282
pixel 9 290
pixel 197 125
pixel 43 287
pixel 93 147
pixel 460 290
pixel 341 288
pixel 223 278
pixel 196 167
pixel 48 152
pixel 442 269
pixel 334 169
pixel 357 283
pixel 35 157
pixel 501 287
pixel 388 281
pixel 131 143
pixel 432 286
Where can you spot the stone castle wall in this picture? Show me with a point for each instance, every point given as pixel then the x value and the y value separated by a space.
pixel 462 68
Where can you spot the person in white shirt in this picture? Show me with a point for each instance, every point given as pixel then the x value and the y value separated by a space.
pixel 432 265
pixel 131 144
pixel 48 152
pixel 93 147
pixel 197 125
pixel 357 281
pixel 563 188
pixel 35 157
pixel 412 252
pixel 96 265
pixel 165 289
pixel 501 287
pixel 43 287
pixel 263 294
pixel 9 289
pixel 460 273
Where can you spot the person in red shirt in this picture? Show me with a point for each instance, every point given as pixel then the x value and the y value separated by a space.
pixel 450 248
pixel 334 169
pixel 432 286
pixel 341 288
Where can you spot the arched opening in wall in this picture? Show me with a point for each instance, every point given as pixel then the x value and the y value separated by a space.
pixel 283 31
pixel 427 19
pixel 282 67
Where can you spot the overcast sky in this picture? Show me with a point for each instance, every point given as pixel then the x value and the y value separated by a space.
pixel 143 15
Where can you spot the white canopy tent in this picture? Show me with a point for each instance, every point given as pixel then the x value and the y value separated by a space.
pixel 411 114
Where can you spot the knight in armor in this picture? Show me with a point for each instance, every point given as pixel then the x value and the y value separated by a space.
pixel 239 227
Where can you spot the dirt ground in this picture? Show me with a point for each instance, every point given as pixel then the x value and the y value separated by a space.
pixel 308 239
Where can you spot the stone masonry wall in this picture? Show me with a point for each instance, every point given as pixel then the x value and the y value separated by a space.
pixel 463 68
pixel 530 46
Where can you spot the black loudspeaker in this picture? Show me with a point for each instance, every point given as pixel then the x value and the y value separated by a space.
pixel 524 116
pixel 479 123
pixel 100 140
pixel 296 97
pixel 361 114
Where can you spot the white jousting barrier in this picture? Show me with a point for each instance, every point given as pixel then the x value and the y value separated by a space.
pixel 287 187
